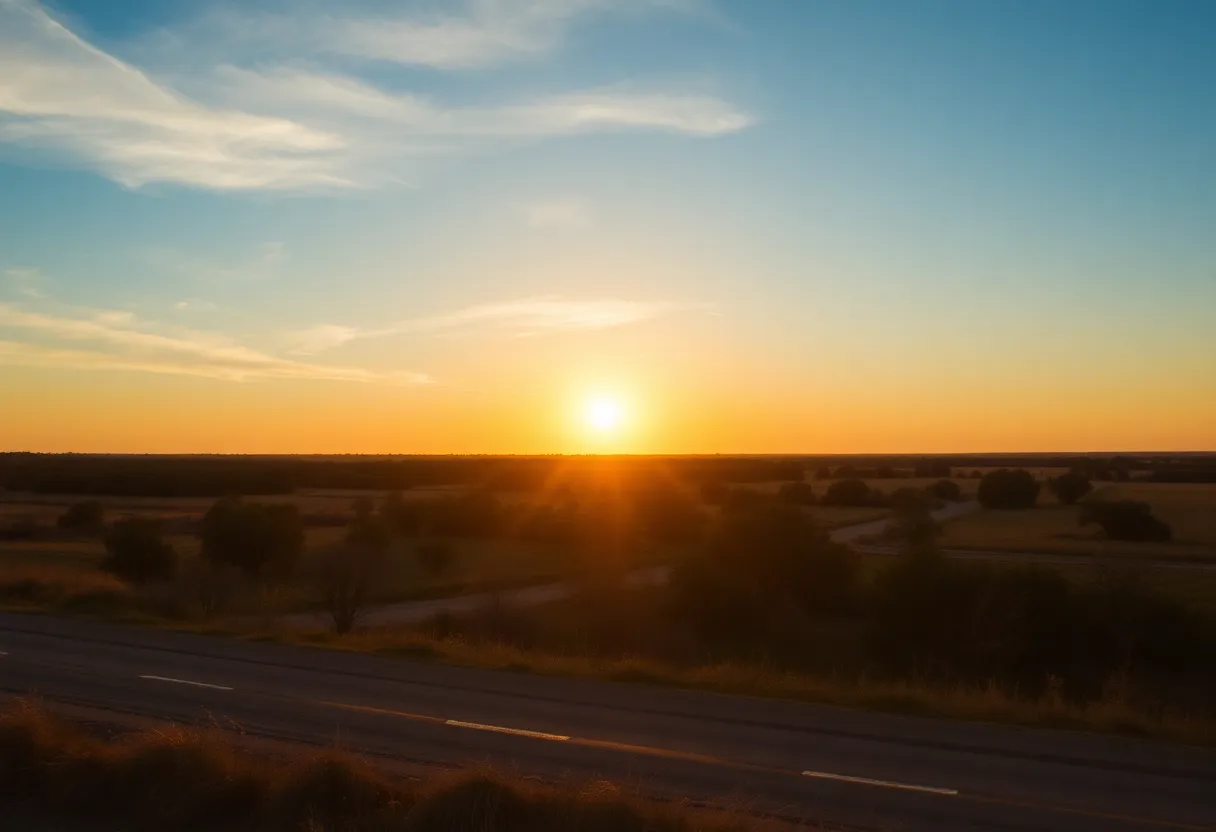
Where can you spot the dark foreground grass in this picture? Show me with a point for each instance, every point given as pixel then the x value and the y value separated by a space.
pixel 181 780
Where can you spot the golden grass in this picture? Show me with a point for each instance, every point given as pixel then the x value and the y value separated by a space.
pixel 179 779
pixel 1116 713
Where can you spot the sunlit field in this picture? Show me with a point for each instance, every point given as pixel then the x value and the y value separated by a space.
pixel 1190 509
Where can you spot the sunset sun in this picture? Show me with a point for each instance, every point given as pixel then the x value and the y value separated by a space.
pixel 604 414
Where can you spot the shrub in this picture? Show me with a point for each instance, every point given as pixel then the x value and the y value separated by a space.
pixel 797 493
pixel 137 552
pixel 1071 487
pixel 945 490
pixel 261 539
pixel 759 561
pixel 850 492
pixel 667 516
pixel 86 517
pixel 1126 520
pixel 1008 489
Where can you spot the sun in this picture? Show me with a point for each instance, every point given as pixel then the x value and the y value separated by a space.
pixel 604 414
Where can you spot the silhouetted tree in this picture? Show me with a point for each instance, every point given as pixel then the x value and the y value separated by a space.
pixel 1070 487
pixel 86 517
pixel 1008 489
pixel 847 493
pixel 136 551
pixel 945 490
pixel 1125 520
pixel 262 539
pixel 346 576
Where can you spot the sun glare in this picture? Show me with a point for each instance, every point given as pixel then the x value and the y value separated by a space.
pixel 604 414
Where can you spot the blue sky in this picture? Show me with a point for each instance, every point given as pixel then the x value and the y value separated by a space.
pixel 816 206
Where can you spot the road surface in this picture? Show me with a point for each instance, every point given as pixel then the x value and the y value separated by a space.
pixel 857 769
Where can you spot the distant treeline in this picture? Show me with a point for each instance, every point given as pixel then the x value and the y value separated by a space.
pixel 214 476
pixel 163 476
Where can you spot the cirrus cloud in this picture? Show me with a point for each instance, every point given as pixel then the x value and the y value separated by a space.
pixel 117 341
pixel 297 124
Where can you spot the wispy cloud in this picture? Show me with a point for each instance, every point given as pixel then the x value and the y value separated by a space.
pixel 117 342
pixel 528 316
pixel 558 213
pixel 295 124
pixel 452 35
pixel 194 305
pixel 56 91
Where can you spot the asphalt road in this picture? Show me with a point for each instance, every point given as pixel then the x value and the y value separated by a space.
pixel 827 765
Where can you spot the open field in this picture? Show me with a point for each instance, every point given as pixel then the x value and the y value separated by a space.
pixel 1190 509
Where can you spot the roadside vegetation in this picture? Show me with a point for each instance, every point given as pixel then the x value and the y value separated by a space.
pixel 179 779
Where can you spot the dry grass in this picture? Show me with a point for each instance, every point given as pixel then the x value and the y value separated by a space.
pixel 1053 528
pixel 62 587
pixel 177 779
pixel 1116 713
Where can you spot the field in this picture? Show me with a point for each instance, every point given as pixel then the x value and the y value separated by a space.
pixel 1190 509
pixel 65 559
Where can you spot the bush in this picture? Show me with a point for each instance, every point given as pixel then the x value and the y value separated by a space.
pixel 850 492
pixel 1008 489
pixel 261 539
pixel 137 552
pixel 1126 520
pixel 1071 487
pixel 945 490
pixel 760 561
pixel 796 493
pixel 86 517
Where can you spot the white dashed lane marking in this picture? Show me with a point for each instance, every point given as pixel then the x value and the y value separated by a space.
pixel 886 784
pixel 185 682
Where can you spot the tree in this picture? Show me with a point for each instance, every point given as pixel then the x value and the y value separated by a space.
pixel 760 561
pixel 1008 489
pixel 346 575
pixel 87 517
pixel 945 490
pixel 797 493
pixel 137 552
pixel 912 522
pixel 1126 520
pixel 262 539
pixel 1071 487
pixel 847 493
